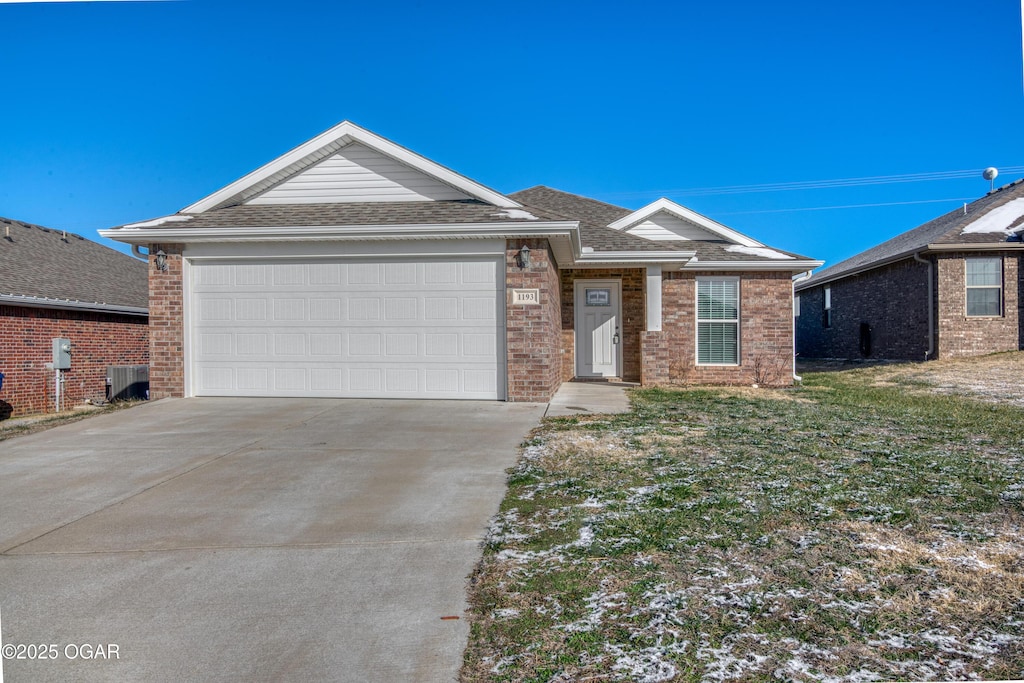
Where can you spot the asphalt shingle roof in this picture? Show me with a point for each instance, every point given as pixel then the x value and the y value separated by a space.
pixel 354 213
pixel 593 216
pixel 46 263
pixel 946 229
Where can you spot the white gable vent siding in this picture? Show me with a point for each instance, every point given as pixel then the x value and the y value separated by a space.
pixel 358 174
pixel 664 226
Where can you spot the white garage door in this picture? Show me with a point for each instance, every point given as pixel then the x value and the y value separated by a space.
pixel 381 328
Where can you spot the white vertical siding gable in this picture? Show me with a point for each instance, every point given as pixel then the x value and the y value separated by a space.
pixel 357 173
pixel 663 226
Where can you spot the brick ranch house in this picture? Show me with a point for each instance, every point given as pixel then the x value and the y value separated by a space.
pixel 54 284
pixel 351 266
pixel 951 287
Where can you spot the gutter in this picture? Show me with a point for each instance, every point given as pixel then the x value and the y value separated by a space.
pixel 69 305
pixel 792 265
pixel 931 304
pixel 804 276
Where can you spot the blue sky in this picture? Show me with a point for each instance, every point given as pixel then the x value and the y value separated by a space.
pixel 116 112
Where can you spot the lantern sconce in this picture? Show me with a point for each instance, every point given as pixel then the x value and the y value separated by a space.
pixel 523 258
pixel 160 260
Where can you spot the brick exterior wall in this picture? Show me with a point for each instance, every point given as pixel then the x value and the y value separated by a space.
pixel 97 340
pixel 892 300
pixel 766 333
pixel 633 316
pixel 960 335
pixel 534 333
pixel 167 325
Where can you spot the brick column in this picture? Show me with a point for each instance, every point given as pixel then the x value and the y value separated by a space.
pixel 166 324
pixel 533 332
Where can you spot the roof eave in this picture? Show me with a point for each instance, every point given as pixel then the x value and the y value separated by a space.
pixel 815 281
pixel 143 236
pixel 788 265
pixel 71 305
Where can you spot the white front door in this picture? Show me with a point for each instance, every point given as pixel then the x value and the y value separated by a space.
pixel 598 333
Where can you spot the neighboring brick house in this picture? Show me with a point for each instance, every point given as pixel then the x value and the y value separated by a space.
pixel 54 284
pixel 353 267
pixel 951 287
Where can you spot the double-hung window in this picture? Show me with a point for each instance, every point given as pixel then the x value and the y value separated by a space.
pixel 984 286
pixel 826 316
pixel 718 321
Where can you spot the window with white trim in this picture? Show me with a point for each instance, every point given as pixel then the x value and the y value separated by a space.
pixel 718 321
pixel 984 285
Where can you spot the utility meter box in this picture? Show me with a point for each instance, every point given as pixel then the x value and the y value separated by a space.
pixel 61 354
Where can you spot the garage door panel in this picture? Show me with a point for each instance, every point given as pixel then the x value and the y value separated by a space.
pixel 391 328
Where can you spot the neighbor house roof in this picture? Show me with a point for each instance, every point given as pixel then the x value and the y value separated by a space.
pixel 993 221
pixel 49 268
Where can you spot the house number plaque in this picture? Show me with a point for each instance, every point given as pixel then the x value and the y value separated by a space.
pixel 526 297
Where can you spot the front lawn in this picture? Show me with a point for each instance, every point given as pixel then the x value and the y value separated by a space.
pixel 850 530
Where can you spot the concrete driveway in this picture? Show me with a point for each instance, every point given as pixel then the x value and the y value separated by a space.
pixel 250 539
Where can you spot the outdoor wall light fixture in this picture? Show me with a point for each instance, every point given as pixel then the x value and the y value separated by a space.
pixel 524 257
pixel 161 260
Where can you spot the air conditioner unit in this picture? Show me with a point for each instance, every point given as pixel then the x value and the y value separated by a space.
pixel 126 382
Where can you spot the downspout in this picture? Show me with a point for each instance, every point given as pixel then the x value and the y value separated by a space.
pixel 931 306
pixel 139 254
pixel 796 377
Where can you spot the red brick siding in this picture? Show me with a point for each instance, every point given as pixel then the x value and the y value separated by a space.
pixel 97 340
pixel 766 333
pixel 534 336
pixel 167 326
pixel 892 300
pixel 633 316
pixel 960 335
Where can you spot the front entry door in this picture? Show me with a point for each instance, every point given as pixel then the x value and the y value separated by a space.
pixel 598 322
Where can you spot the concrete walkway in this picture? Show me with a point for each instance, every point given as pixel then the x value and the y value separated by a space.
pixel 252 539
pixel 581 398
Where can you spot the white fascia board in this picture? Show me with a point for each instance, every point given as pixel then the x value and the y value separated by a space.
pixel 635 257
pixel 141 236
pixel 70 305
pixel 680 211
pixel 337 137
pixel 788 265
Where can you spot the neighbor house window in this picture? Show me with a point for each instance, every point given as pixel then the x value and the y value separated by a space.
pixel 826 318
pixel 984 286
pixel 796 306
pixel 718 321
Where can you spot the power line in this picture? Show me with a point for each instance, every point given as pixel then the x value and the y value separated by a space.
pixel 846 206
pixel 816 184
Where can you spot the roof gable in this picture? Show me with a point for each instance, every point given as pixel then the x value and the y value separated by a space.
pixel 666 220
pixel 664 226
pixel 349 164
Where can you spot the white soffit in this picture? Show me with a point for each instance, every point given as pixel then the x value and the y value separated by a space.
pixel 384 157
pixel 656 219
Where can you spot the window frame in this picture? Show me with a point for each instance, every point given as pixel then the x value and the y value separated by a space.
pixel 733 321
pixel 998 287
